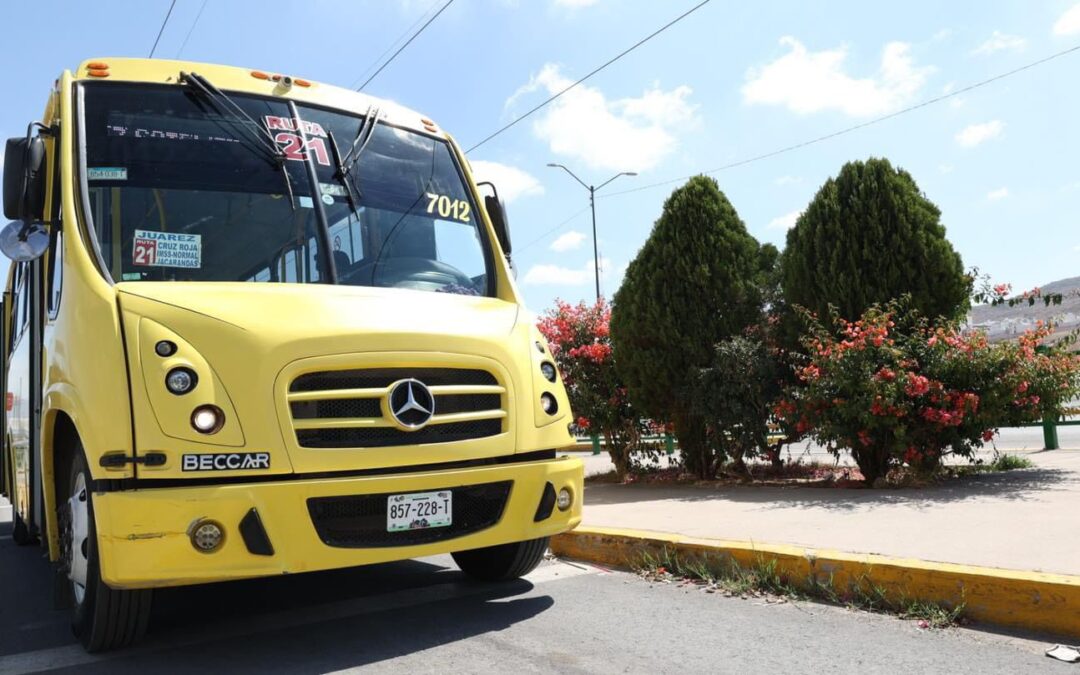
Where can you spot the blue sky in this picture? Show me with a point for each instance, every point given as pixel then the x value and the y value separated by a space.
pixel 733 80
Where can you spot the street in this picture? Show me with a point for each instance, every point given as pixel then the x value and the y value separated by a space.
pixel 423 616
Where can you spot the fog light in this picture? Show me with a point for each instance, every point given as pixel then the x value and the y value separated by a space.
pixel 207 536
pixel 165 348
pixel 548 369
pixel 207 419
pixel 181 380
pixel 548 403
pixel 564 500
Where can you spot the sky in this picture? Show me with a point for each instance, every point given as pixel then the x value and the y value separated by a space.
pixel 731 81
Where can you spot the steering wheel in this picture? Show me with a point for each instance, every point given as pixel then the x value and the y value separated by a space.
pixel 408 272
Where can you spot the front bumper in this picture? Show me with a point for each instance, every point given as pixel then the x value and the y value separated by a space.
pixel 143 539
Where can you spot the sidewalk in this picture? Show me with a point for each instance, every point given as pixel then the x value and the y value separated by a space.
pixel 1019 520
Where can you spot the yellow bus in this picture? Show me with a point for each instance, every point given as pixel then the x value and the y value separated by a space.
pixel 259 325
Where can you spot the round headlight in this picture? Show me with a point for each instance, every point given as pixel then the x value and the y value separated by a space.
pixel 207 419
pixel 548 403
pixel 207 536
pixel 181 380
pixel 548 369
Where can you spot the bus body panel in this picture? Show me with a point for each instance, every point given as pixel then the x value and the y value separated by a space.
pixel 255 338
pixel 146 541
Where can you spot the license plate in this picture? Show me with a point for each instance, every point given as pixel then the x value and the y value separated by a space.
pixel 419 510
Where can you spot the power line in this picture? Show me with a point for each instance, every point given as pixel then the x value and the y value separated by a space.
pixel 162 29
pixel 394 43
pixel 192 29
pixel 552 230
pixel 856 127
pixel 407 42
pixel 597 70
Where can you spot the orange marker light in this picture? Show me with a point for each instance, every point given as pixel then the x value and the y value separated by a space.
pixel 302 83
pixel 275 78
pixel 427 121
pixel 97 72
pixel 97 65
pixel 259 75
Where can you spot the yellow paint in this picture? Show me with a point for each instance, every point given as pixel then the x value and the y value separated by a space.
pixel 246 342
pixel 1029 600
pixel 136 553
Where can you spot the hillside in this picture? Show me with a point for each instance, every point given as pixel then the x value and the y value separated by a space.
pixel 1004 322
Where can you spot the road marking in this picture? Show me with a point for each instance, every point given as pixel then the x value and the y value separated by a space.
pixel 73 655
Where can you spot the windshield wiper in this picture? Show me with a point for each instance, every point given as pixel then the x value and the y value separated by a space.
pixel 263 140
pixel 341 174
pixel 363 136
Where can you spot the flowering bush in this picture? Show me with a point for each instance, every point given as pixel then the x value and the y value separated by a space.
pixel 579 339
pixel 893 388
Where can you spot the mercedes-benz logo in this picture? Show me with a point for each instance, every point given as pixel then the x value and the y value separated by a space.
pixel 410 404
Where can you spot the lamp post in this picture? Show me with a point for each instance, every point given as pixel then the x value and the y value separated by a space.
pixel 592 205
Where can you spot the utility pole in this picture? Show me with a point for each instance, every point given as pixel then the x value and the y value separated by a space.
pixel 592 205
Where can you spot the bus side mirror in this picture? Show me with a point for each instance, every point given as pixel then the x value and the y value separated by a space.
pixel 24 179
pixel 497 213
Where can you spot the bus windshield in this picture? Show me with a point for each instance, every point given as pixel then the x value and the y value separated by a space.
pixel 179 190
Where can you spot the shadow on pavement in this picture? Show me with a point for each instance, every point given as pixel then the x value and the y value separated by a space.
pixel 313 622
pixel 1011 485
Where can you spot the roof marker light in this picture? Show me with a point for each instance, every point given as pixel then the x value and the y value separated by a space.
pixel 259 75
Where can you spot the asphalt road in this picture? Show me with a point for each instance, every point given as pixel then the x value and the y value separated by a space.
pixel 423 616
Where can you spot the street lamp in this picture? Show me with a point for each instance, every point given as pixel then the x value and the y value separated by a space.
pixel 592 204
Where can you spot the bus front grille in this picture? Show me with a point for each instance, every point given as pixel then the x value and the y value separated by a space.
pixel 349 408
pixel 359 521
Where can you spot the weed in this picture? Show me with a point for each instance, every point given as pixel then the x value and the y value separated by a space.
pixel 722 573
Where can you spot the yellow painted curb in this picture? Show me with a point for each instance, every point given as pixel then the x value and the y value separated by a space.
pixel 1029 600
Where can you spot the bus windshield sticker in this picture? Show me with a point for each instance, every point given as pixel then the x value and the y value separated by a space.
pixel 106 173
pixel 167 249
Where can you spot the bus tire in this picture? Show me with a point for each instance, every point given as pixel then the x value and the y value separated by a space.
pixel 503 562
pixel 20 533
pixel 104 618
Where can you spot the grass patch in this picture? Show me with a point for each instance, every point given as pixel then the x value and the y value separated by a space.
pixel 1010 463
pixel 722 574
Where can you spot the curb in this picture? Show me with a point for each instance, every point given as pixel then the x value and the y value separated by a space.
pixel 1034 601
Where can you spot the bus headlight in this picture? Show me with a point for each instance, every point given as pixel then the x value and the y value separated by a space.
pixel 548 370
pixel 207 419
pixel 181 380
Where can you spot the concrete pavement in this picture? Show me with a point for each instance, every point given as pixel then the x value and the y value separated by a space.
pixel 1020 520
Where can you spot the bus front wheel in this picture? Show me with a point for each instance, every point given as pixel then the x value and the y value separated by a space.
pixel 104 618
pixel 503 562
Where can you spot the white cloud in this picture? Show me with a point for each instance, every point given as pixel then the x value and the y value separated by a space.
pixel 998 194
pixel 784 222
pixel 568 242
pixel 788 180
pixel 975 134
pixel 556 275
pixel 808 82
pixel 628 134
pixel 1069 22
pixel 998 42
pixel 511 181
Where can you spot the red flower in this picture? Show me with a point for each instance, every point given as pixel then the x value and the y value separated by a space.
pixel 988 435
pixel 583 422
